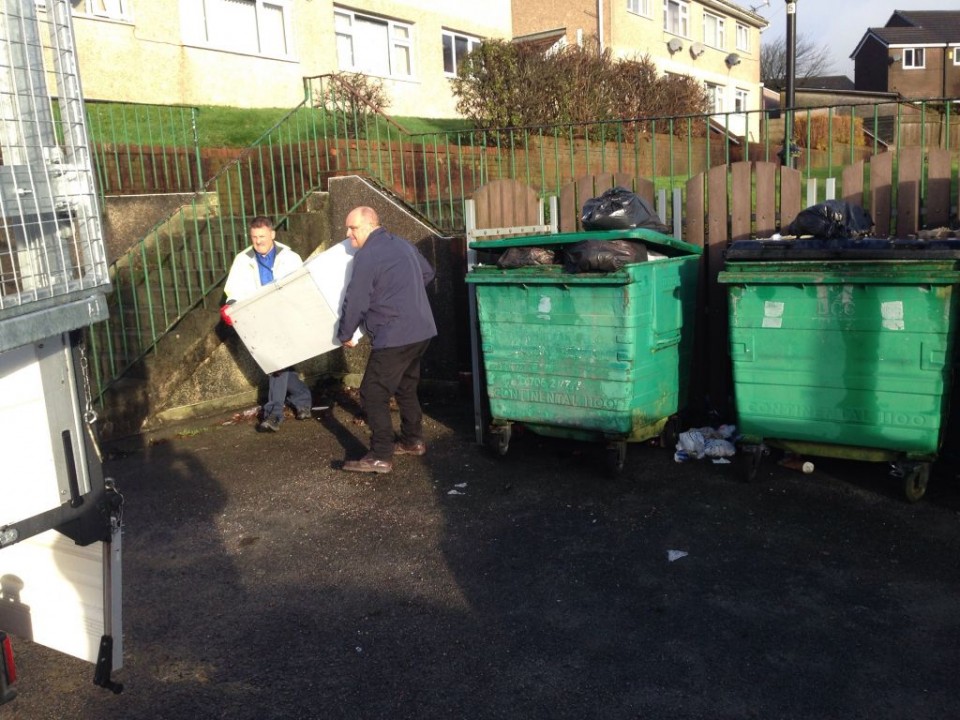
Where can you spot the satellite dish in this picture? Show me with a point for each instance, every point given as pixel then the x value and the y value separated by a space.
pixel 697 49
pixel 732 59
pixel 674 45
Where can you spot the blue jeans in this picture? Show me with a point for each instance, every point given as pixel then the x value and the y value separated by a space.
pixel 283 383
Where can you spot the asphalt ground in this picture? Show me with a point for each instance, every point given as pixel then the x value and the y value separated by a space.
pixel 261 581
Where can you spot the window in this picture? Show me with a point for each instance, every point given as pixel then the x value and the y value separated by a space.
pixel 714 31
pixel 743 38
pixel 640 7
pixel 715 97
pixel 913 58
pixel 374 46
pixel 956 55
pixel 455 48
pixel 255 27
pixel 676 17
pixel 740 98
pixel 112 9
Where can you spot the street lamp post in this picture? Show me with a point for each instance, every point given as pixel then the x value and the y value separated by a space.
pixel 791 77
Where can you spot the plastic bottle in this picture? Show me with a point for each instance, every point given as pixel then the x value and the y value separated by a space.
pixel 795 462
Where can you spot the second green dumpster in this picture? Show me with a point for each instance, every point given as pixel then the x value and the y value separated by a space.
pixel 843 351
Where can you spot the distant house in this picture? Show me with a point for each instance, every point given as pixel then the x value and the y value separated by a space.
pixel 714 41
pixel 835 83
pixel 916 55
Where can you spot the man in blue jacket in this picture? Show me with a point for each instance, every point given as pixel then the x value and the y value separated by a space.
pixel 387 295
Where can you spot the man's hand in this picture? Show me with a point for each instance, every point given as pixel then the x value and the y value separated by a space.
pixel 350 343
pixel 225 315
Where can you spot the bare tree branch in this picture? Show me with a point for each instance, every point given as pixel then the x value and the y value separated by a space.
pixel 811 61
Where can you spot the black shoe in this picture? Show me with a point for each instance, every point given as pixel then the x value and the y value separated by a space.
pixel 417 447
pixel 368 464
pixel 304 414
pixel 269 425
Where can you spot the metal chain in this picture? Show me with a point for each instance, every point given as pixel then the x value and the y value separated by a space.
pixel 89 414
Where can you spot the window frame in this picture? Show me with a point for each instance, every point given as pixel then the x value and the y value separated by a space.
pixel 473 42
pixel 196 16
pixel 643 8
pixel 741 97
pixel 744 32
pixel 683 17
pixel 913 52
pixel 717 94
pixel 393 40
pixel 719 39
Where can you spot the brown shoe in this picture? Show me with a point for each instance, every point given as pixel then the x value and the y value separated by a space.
pixel 417 447
pixel 368 464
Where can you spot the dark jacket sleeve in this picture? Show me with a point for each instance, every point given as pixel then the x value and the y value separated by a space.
pixel 356 299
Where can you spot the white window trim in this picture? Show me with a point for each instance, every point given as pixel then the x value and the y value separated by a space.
pixel 119 10
pixel 718 94
pixel 391 38
pixel 913 52
pixel 194 27
pixel 955 51
pixel 643 8
pixel 472 40
pixel 683 7
pixel 744 32
pixel 739 93
pixel 719 39
pixel 109 9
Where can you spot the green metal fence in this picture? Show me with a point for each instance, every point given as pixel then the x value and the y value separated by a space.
pixel 142 148
pixel 435 172
pixel 184 259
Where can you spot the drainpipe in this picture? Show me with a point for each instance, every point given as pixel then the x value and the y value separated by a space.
pixel 943 78
pixel 600 23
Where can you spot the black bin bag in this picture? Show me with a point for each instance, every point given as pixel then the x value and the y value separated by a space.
pixel 602 255
pixel 833 219
pixel 525 257
pixel 619 209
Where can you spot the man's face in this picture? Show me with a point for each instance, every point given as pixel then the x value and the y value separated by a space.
pixel 358 229
pixel 262 239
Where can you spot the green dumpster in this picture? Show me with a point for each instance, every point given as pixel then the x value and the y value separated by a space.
pixel 589 356
pixel 843 351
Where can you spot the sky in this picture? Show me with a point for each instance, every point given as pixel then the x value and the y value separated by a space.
pixel 837 24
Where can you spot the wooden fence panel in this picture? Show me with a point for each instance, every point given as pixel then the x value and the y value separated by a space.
pixel 741 201
pixel 881 192
pixel 851 184
pixel 789 197
pixel 696 212
pixel 936 204
pixel 908 191
pixel 506 203
pixel 766 210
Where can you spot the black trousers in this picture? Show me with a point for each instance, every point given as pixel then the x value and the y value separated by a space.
pixel 393 372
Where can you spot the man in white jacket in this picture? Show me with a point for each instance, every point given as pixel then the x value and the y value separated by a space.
pixel 260 264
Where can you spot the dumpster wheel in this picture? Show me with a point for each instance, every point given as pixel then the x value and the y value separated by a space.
pixel 498 440
pixel 751 456
pixel 915 479
pixel 615 456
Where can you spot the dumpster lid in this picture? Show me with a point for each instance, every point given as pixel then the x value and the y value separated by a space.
pixel 667 244
pixel 862 248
